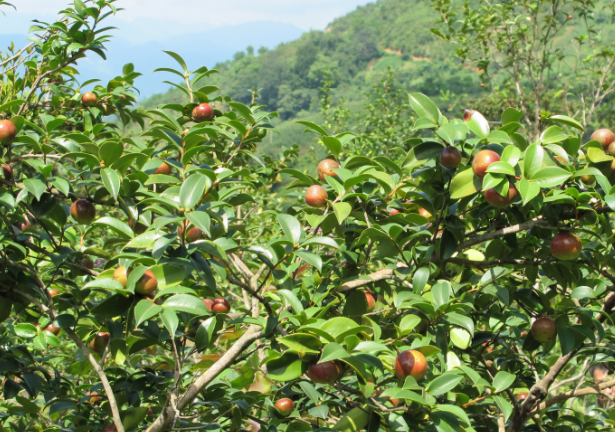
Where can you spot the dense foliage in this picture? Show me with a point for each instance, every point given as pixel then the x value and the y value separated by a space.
pixel 159 281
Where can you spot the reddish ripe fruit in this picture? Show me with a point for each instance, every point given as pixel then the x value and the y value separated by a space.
pixel 521 396
pixel 121 275
pixel 566 246
pixel 316 196
pixel 53 292
pixel 324 373
pixel 209 303
pixel 83 211
pixel 424 213
pixel 8 131
pixel 495 199
pixel 203 112
pixel 604 136
pixel 285 407
pixel 87 262
pixel 150 412
pixel 193 234
pixel 587 179
pixel 393 212
pixel 411 363
pixel 52 329
pixel 467 114
pixel 221 305
pixel 611 149
pixel 23 225
pixel 8 172
pixel 147 284
pixel 394 402
pixel 326 167
pixel 164 168
pixel 482 160
pixel 544 330
pixel 110 428
pixel 450 157
pixel 89 99
pixel 99 343
pixel 371 302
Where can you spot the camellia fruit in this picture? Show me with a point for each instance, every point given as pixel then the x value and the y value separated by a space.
pixel 147 284
pixel 121 275
pixel 587 179
pixel 611 149
pixel 164 168
pixel 604 136
pixel 371 302
pixel 8 131
pixel 450 157
pixel 221 305
pixel 89 99
pixel 566 246
pixel 83 211
pixel 53 292
pixel 8 172
pixel 192 234
pixel 324 373
pixel 393 212
pixel 482 160
pixel 326 167
pixel 316 196
pixel 110 428
pixel 285 407
pixel 411 363
pixel 544 330
pixel 203 112
pixel 495 199
pixel 52 329
pixel 424 213
pixel 99 343
pixel 521 396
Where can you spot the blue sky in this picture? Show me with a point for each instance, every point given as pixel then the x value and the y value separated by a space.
pixel 147 20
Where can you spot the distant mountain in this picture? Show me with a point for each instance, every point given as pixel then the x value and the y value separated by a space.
pixel 198 49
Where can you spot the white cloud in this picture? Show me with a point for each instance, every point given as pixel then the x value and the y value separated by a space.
pixel 186 16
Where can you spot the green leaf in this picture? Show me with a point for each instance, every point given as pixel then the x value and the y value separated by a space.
pixel 455 410
pixel 115 224
pixel 25 330
pixel 6 305
pixel 501 167
pixel 35 186
pixel 111 180
pixel 333 351
pixel 464 184
pixel 310 258
pixel 428 150
pixel 186 303
pixel 291 226
pixel 553 134
pixel 532 161
pixel 178 59
pixel 425 107
pixel 462 321
pixel 479 125
pixel 511 115
pixel 448 245
pixel 144 310
pixel 342 211
pixel 201 220
pixel 505 406
pixel 302 343
pixel 441 293
pixel 321 241
pixel 333 145
pixel 356 420
pixel 170 320
pixel 314 127
pixel 460 338
pixel 193 189
pixel 292 299
pixel 567 121
pixel 511 154
pixel 110 152
pixel 550 177
pixel 286 368
pixel 583 292
pixel 443 384
pixel 419 280
pixel 134 417
pixel 528 190
pixel 503 380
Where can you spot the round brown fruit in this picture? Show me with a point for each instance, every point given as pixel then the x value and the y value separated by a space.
pixel 8 172
pixel 164 168
pixel 121 275
pixel 467 114
pixel 482 160
pixel 93 397
pixel 209 303
pixel 99 343
pixel 450 157
pixel 588 179
pixel 521 396
pixel 89 99
pixel 411 363
pixel 424 213
pixel 83 211
pixel 544 330
pixel 599 372
pixel 52 329
pixel 8 131
pixel 193 234
pixel 110 428
pixel 495 199
pixel 203 112
pixel 53 292
pixel 147 284
pixel 393 212
pixel 371 302
pixel 611 149
pixel 221 305
pixel 285 407
pixel 566 246
pixel 86 261
pixel 150 412
pixel 324 373
pixel 316 196
pixel 326 167
pixel 604 136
